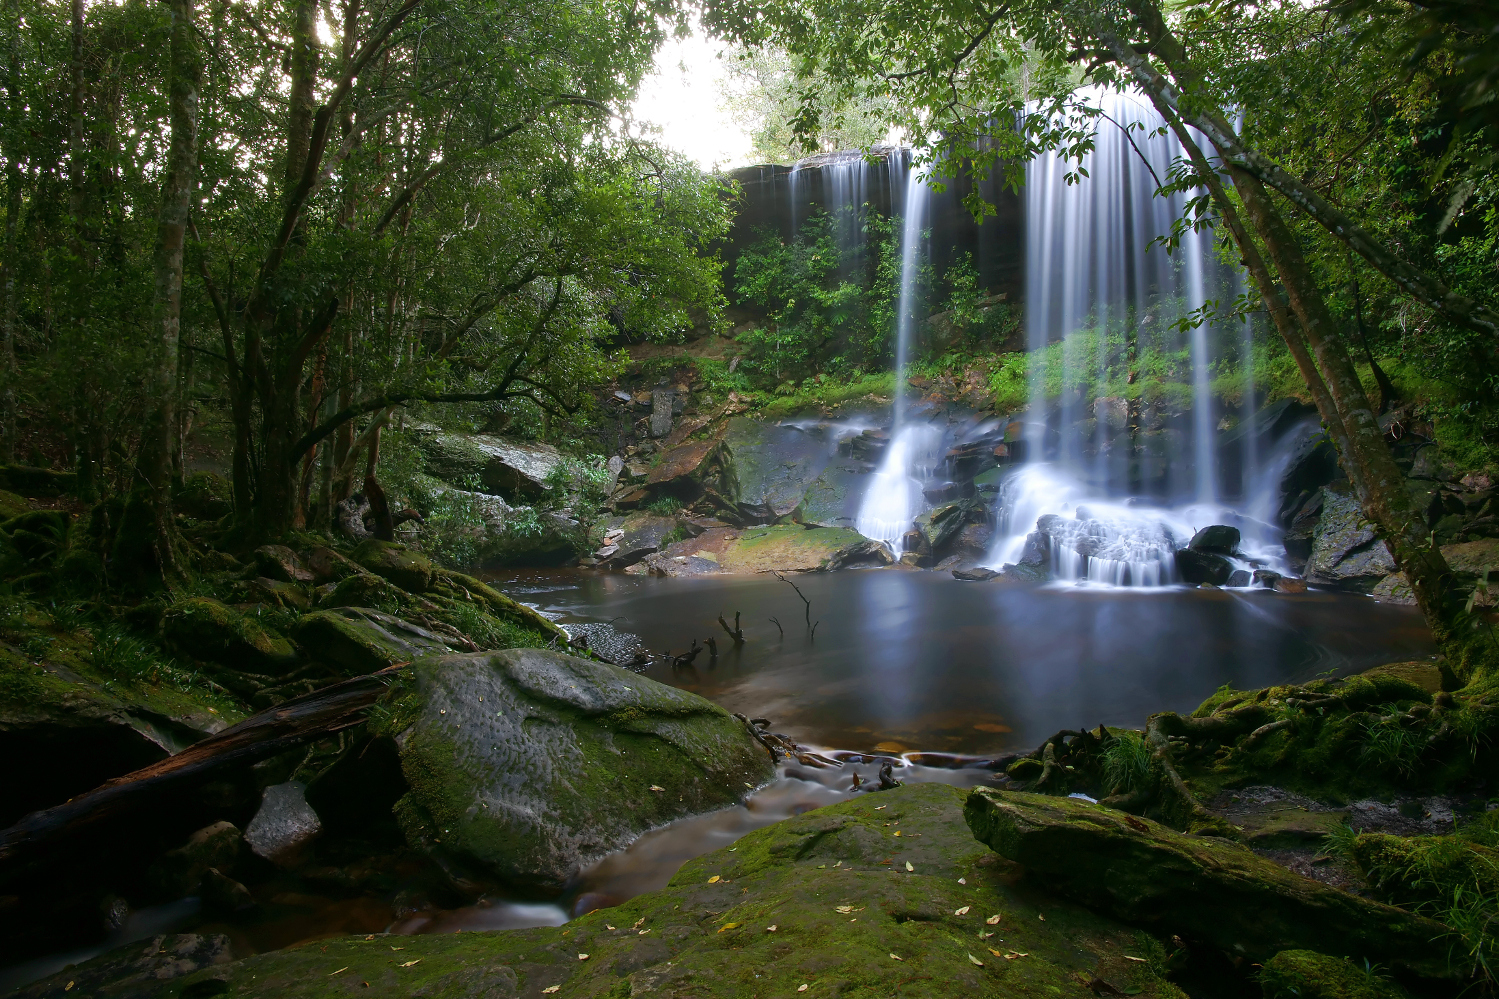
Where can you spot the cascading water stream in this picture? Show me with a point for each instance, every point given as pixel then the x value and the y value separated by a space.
pixel 1100 301
pixel 894 497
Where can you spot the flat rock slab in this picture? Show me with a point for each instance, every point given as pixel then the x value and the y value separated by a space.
pixel 527 765
pixel 1200 887
pixel 788 548
pixel 686 461
pixel 825 900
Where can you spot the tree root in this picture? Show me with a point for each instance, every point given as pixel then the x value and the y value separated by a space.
pixel 1264 730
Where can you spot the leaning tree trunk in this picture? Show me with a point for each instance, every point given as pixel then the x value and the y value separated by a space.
pixel 146 537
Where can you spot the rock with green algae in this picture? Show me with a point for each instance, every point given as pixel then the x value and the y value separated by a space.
pixel 457 586
pixel 834 497
pixel 410 570
pixel 203 628
pixel 360 640
pixel 527 765
pixel 142 968
pixel 824 900
pixel 1305 974
pixel 366 589
pixel 1199 887
pixel 770 466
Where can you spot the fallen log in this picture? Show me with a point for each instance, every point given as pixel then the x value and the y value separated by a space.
pixel 271 732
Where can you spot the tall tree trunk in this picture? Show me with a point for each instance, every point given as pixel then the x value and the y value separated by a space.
pixel 76 176
pixel 305 53
pixel 147 523
pixel 13 181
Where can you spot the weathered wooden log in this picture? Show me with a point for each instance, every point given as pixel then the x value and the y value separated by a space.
pixel 261 736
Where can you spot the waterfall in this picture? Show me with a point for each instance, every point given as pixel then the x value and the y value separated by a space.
pixel 1106 311
pixel 894 497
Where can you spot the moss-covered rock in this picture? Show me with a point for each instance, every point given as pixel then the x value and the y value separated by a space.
pixel 788 547
pixel 328 566
pixel 367 590
pixel 280 563
pixel 137 969
pixel 824 900
pixel 410 570
pixel 12 505
pixel 834 497
pixel 1305 974
pixel 36 481
pixel 1198 887
pixel 456 585
pixel 360 640
pixel 1346 550
pixel 526 765
pixel 204 496
pixel 770 466
pixel 203 628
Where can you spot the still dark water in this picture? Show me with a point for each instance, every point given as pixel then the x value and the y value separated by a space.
pixel 921 661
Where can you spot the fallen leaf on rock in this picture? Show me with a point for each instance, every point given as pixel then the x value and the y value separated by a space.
pixel 975 960
pixel 909 867
pixel 771 928
pixel 728 926
pixel 608 927
pixel 896 833
pixel 962 881
pixel 410 963
pixel 582 957
pixel 550 989
pixel 330 974
pixel 846 909
pixel 637 923
pixel 896 957
pixel 1012 955
pixel 714 879
pixel 985 936
pixel 994 919
pixel 1140 959
pixel 801 988
pixel 1040 917
pixel 963 911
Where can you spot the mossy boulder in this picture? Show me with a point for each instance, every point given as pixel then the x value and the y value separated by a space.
pixel 36 481
pixel 834 497
pixel 1305 974
pixel 142 968
pixel 1346 550
pixel 360 640
pixel 410 570
pixel 203 628
pixel 204 496
pixel 367 590
pixel 824 900
pixel 527 765
pixel 770 467
pixel 1199 887
pixel 280 563
pixel 12 505
pixel 458 586
pixel 328 566
pixel 789 548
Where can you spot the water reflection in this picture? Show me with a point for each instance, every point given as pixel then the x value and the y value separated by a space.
pixel 917 660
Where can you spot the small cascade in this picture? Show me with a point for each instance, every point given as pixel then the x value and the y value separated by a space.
pixel 894 497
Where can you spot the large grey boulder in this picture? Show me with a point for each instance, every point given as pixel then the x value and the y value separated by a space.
pixel 284 826
pixel 834 497
pixel 771 466
pixel 527 765
pixel 1345 550
pixel 516 470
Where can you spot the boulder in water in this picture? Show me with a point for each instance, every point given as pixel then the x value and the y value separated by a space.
pixel 1200 567
pixel 285 825
pixel 142 968
pixel 527 765
pixel 976 573
pixel 771 467
pixel 1219 539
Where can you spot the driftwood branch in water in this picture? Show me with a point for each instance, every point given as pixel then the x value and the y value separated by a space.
pixel 777 623
pixel 799 593
pixel 261 736
pixel 736 632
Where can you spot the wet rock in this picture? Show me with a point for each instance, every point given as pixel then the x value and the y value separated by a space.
pixel 177 872
pixel 793 548
pixel 662 405
pixel 1467 561
pixel 359 640
pixel 284 826
pixel 978 573
pixel 859 553
pixel 516 470
pixel 273 593
pixel 1199 887
pixel 1345 550
pixel 222 895
pixel 410 570
pixel 1240 577
pixel 1199 567
pixel 771 467
pixel 142 968
pixel 641 534
pixel 685 462
pixel 281 563
pixel 526 765
pixel 1219 539
pixel 203 628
